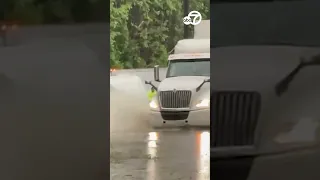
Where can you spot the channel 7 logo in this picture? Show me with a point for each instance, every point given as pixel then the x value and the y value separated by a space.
pixel 193 18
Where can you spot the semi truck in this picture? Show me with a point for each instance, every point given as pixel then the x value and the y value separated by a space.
pixel 183 96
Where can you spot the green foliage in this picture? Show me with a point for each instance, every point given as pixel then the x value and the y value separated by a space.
pixel 119 38
pixel 144 32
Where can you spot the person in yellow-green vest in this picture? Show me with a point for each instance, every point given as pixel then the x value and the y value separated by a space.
pixel 151 93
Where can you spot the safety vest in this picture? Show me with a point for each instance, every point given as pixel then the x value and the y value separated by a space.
pixel 151 95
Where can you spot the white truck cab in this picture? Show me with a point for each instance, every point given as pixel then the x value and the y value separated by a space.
pixel 183 97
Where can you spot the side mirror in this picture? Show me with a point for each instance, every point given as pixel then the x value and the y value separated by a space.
pixel 156 73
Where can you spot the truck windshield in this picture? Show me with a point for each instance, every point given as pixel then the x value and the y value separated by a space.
pixel 265 22
pixel 189 67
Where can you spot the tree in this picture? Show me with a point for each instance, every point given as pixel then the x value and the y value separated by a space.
pixel 144 32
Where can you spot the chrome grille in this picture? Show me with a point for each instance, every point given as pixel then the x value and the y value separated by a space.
pixel 234 116
pixel 175 99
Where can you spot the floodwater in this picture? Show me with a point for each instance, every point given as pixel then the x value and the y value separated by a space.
pixel 162 155
pixel 139 152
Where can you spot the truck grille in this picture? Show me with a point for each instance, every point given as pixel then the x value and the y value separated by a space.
pixel 175 99
pixel 234 118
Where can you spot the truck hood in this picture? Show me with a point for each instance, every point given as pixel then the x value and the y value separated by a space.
pixel 183 83
pixel 289 121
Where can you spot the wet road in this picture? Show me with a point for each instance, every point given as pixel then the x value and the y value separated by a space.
pixel 161 155
pixel 139 152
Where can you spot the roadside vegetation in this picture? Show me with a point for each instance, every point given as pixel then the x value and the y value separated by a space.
pixel 144 32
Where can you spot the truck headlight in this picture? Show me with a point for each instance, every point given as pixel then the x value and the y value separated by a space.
pixel 203 103
pixel 153 104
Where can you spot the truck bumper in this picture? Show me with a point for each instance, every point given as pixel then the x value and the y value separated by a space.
pixel 195 118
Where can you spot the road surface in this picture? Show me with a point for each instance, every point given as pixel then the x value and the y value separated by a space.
pixel 138 152
pixel 160 155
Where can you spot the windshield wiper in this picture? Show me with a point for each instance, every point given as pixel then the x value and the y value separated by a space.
pixel 282 86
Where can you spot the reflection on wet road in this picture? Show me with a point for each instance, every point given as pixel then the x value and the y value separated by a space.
pixel 162 155
pixel 137 152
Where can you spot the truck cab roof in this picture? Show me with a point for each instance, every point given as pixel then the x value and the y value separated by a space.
pixel 192 56
pixel 192 46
